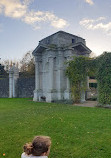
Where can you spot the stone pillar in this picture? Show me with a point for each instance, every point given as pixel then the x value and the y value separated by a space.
pixel 88 91
pixel 82 97
pixel 51 73
pixel 37 84
pixel 67 94
pixel 67 91
pixel 10 84
pixel 49 97
pixel 87 82
pixel 60 75
pixel 13 76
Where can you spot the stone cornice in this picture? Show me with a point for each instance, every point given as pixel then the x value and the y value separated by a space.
pixel 80 46
pixel 39 49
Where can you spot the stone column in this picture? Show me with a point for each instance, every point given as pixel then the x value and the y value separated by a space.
pixel 10 84
pixel 37 84
pixel 87 82
pixel 36 95
pixel 49 97
pixel 67 91
pixel 51 73
pixel 82 97
pixel 13 76
pixel 88 91
pixel 60 75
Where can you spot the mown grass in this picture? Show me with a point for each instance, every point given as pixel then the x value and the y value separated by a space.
pixel 76 132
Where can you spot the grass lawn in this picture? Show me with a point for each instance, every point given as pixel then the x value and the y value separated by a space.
pixel 76 132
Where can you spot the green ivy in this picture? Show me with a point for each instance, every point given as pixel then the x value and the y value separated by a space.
pixel 81 67
pixel 104 78
pixel 77 71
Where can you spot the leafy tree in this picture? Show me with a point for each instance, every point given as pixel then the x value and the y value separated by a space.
pixel 3 73
pixel 27 67
pixel 7 64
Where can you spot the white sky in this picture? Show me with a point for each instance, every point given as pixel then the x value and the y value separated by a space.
pixel 23 23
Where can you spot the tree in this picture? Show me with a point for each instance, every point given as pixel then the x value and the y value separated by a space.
pixel 3 73
pixel 27 66
pixel 7 64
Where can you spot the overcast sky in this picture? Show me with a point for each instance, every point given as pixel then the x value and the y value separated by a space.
pixel 23 23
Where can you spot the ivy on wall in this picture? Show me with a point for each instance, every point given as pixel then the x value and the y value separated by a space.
pixel 81 67
pixel 77 71
pixel 103 76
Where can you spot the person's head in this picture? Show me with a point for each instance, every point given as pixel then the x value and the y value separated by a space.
pixel 40 146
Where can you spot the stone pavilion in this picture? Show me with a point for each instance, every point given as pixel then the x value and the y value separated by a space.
pixel 51 54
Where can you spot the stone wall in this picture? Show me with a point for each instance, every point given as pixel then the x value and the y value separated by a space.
pixel 25 87
pixel 4 88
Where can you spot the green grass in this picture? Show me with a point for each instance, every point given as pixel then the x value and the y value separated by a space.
pixel 76 132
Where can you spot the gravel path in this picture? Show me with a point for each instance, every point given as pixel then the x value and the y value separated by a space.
pixel 87 104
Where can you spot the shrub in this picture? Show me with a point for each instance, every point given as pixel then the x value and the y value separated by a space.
pixel 104 78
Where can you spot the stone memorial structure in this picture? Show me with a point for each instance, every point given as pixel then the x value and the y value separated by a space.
pixel 51 84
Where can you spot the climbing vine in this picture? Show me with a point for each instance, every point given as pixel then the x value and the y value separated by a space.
pixel 103 76
pixel 77 71
pixel 81 67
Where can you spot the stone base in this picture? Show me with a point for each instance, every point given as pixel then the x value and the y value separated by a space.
pixel 82 97
pixel 52 96
pixel 49 97
pixel 67 95
pixel 88 94
pixel 37 95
